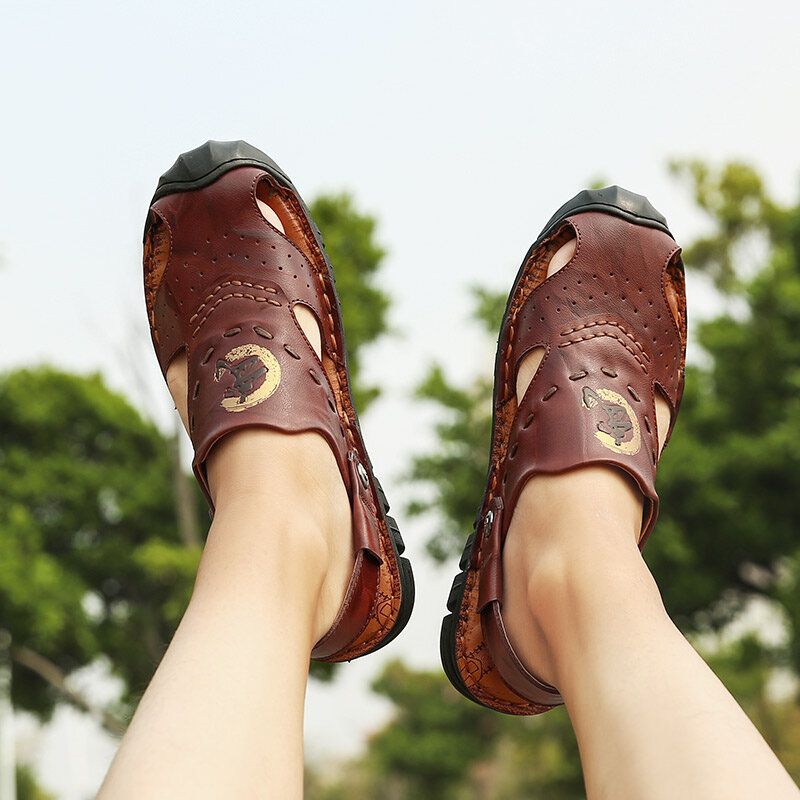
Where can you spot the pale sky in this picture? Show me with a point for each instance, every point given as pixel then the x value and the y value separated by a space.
pixel 461 125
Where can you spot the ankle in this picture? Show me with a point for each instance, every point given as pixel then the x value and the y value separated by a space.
pixel 571 549
pixel 573 595
pixel 576 508
pixel 257 467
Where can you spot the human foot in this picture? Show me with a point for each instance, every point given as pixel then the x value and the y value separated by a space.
pixel 589 369
pixel 246 325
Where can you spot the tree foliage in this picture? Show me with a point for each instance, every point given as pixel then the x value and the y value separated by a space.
pixel 439 746
pixel 92 565
pixel 28 787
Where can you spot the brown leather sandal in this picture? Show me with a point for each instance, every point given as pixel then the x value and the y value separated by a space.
pixel 220 284
pixel 613 325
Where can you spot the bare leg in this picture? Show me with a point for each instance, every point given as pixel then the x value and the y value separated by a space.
pixel 223 715
pixel 583 611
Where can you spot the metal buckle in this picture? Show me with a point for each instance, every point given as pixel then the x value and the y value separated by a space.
pixel 487 523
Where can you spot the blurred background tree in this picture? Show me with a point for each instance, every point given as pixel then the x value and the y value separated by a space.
pixel 92 565
pixel 27 786
pixel 99 524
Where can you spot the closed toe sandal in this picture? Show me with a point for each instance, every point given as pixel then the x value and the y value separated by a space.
pixel 612 323
pixel 221 284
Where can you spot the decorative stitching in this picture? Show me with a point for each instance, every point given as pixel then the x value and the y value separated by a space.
pixel 524 279
pixel 228 297
pixel 223 286
pixel 607 322
pixel 613 336
pixel 152 311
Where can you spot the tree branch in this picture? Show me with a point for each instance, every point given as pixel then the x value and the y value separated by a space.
pixel 53 675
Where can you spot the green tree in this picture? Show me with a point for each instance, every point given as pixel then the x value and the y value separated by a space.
pixel 437 746
pixel 93 503
pixel 435 739
pixel 27 786
pixel 92 562
pixel 730 482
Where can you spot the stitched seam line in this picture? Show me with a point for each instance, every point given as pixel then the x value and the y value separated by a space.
pixel 152 312
pixel 329 305
pixel 298 209
pixel 607 322
pixel 227 297
pixel 512 323
pixel 613 336
pixel 223 286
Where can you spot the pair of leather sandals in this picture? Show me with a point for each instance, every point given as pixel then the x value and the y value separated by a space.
pixel 221 286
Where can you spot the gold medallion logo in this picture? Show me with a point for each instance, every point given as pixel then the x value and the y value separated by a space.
pixel 618 430
pixel 256 374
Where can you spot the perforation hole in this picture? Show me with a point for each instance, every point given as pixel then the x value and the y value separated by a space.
pixel 309 324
